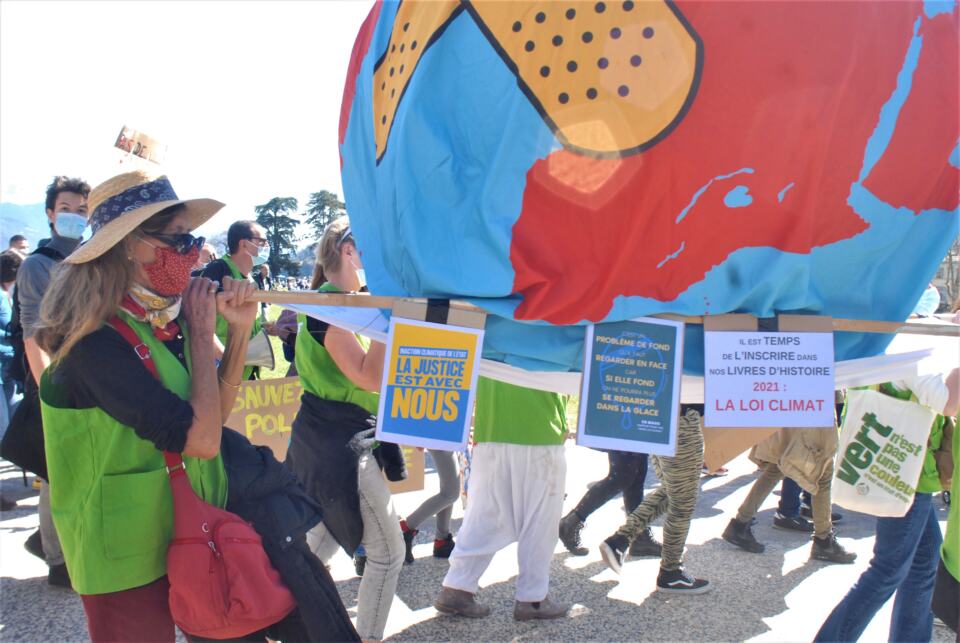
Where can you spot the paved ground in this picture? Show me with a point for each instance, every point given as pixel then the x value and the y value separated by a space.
pixel 777 596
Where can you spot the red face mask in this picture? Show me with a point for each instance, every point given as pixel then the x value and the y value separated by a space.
pixel 170 273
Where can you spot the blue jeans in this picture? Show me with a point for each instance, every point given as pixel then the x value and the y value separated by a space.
pixel 790 492
pixel 905 556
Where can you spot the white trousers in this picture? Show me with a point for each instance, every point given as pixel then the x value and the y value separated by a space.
pixel 515 495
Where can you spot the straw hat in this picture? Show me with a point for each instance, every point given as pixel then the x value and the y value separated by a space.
pixel 122 203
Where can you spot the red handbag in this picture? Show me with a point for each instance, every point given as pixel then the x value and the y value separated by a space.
pixel 222 584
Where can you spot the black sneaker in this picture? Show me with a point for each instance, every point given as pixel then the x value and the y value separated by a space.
pixel 807 512
pixel 612 550
pixel 793 523
pixel 408 536
pixel 359 563
pixel 58 576
pixel 442 548
pixel 739 534
pixel 570 527
pixel 34 545
pixel 830 551
pixel 645 545
pixel 677 581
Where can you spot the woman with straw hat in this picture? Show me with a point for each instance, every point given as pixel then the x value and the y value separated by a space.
pixel 108 420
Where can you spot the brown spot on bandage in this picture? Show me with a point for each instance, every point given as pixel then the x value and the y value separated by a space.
pixel 415 26
pixel 612 105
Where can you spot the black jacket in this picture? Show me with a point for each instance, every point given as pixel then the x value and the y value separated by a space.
pixel 267 494
pixel 327 467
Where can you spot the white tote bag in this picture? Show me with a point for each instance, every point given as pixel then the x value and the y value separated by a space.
pixel 882 445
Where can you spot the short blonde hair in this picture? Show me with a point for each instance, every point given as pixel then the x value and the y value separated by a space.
pixel 328 250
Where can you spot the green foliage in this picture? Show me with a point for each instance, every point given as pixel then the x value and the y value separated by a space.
pixel 322 208
pixel 277 217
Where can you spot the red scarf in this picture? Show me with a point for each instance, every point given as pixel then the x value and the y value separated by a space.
pixel 138 312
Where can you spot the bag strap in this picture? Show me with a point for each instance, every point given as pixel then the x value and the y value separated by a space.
pixel 174 461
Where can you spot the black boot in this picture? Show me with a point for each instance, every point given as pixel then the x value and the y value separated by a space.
pixel 830 551
pixel 359 563
pixel 443 547
pixel 570 526
pixel 739 534
pixel 408 536
pixel 645 545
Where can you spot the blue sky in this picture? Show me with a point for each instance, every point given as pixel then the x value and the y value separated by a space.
pixel 245 94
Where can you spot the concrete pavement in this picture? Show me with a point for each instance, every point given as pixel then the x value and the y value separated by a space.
pixel 776 596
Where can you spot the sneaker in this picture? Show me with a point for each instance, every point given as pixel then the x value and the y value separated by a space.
pixel 645 545
pixel 34 545
pixel 460 603
pixel 443 547
pixel 677 581
pixel 359 563
pixel 58 576
pixel 716 473
pixel 739 534
pixel 612 550
pixel 830 551
pixel 793 523
pixel 544 609
pixel 408 536
pixel 807 512
pixel 570 527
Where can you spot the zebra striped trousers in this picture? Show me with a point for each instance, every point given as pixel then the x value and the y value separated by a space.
pixel 677 494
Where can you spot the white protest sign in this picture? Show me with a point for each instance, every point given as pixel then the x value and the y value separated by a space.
pixel 768 379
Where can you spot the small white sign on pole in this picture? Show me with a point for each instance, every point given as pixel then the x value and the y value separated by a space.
pixel 768 379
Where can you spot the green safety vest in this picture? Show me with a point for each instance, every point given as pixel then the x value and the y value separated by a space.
pixel 109 493
pixel 929 479
pixel 221 330
pixel 320 375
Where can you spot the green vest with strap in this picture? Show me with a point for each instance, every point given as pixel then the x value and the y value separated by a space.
pixel 109 493
pixel 221 329
pixel 320 375
pixel 929 479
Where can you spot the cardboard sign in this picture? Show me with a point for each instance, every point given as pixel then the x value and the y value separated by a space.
pixel 429 382
pixel 631 386
pixel 140 145
pixel 264 412
pixel 756 379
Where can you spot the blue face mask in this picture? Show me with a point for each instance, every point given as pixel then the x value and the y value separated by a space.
pixel 262 256
pixel 70 225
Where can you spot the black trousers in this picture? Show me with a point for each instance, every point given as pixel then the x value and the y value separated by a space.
pixel 628 472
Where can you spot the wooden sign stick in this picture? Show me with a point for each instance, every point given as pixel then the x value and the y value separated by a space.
pixel 281 298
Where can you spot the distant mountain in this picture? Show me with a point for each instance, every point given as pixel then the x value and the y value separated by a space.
pixel 28 220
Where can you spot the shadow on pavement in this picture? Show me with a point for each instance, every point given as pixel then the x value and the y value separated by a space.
pixel 29 608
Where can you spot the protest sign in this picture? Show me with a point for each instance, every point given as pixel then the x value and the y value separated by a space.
pixel 631 386
pixel 264 411
pixel 429 381
pixel 760 379
pixel 140 145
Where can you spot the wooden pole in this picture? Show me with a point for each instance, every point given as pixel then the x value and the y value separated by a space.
pixel 280 298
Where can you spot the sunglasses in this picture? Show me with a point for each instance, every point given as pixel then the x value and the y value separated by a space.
pixel 182 243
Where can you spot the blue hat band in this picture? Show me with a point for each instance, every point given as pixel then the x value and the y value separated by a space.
pixel 132 199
